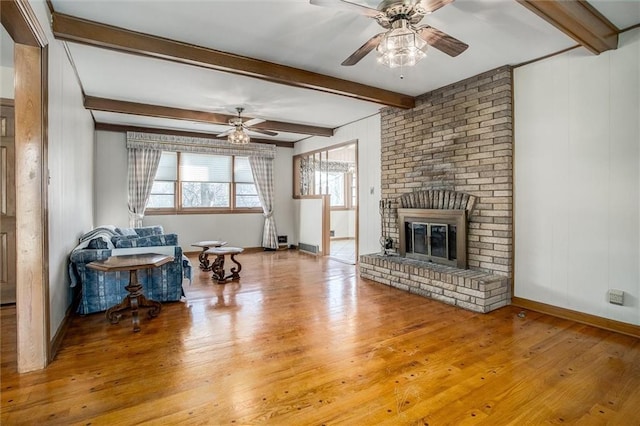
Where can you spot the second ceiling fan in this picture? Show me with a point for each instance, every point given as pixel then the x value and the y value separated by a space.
pixel 402 44
pixel 238 133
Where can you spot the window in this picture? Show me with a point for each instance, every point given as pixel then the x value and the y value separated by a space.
pixel 202 183
pixel 205 180
pixel 329 171
pixel 246 192
pixel 163 191
pixel 335 186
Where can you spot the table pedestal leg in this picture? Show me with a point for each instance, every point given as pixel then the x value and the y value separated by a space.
pixel 134 300
pixel 235 273
pixel 203 257
pixel 218 269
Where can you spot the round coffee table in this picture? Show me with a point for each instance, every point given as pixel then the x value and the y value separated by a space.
pixel 203 257
pixel 217 267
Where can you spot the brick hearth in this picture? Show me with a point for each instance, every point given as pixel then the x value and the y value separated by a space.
pixel 473 290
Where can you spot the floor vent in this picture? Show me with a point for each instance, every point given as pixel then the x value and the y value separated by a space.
pixel 309 248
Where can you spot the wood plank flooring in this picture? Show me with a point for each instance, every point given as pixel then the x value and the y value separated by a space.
pixel 304 341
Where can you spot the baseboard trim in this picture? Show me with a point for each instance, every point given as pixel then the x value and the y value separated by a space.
pixel 581 317
pixel 253 249
pixel 56 342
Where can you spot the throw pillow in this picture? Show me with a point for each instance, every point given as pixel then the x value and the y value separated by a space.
pixel 150 241
pixel 118 238
pixel 126 231
pixel 97 243
pixel 146 231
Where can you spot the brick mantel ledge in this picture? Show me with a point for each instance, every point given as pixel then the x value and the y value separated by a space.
pixel 476 291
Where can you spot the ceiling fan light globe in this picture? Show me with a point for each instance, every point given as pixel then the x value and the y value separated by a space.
pixel 401 47
pixel 238 137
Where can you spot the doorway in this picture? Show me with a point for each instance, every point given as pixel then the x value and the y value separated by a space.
pixel 7 204
pixel 343 188
pixel 333 172
pixel 7 173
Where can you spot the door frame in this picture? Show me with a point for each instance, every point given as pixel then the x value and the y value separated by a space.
pixel 326 218
pixel 32 257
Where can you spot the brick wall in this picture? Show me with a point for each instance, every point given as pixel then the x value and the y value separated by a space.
pixel 460 138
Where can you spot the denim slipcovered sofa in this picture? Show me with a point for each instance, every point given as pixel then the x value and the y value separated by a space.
pixel 101 290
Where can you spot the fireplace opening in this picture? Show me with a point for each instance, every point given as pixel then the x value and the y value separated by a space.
pixel 434 235
pixel 430 240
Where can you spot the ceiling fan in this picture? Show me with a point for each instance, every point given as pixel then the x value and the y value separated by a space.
pixel 402 44
pixel 238 133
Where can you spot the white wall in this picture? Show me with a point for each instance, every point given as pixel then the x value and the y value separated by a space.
pixel 284 210
pixel 367 133
pixel 310 218
pixel 241 229
pixel 343 223
pixel 6 65
pixel 577 180
pixel 111 179
pixel 6 83
pixel 70 161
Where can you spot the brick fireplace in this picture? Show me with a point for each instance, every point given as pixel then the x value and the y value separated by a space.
pixel 459 139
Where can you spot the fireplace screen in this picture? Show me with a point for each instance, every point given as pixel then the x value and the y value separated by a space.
pixel 425 241
pixel 433 235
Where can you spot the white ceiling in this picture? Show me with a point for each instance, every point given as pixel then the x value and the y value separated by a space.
pixel 301 35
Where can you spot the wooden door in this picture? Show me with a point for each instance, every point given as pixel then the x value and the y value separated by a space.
pixel 7 204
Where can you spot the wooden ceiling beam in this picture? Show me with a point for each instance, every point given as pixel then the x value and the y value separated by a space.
pixel 91 33
pixel 126 128
pixel 157 111
pixel 579 20
pixel 21 23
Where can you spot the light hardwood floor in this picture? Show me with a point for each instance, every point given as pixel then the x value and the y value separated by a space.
pixel 304 341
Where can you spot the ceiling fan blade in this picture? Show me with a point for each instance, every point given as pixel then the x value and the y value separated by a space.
pixel 347 5
pixel 253 122
pixel 263 132
pixel 442 41
pixel 223 134
pixel 369 45
pixel 430 6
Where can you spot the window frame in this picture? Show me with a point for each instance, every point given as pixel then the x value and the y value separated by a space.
pixel 175 190
pixel 345 200
pixel 178 208
pixel 322 155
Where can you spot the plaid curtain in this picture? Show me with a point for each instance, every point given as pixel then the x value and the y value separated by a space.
pixel 143 164
pixel 262 170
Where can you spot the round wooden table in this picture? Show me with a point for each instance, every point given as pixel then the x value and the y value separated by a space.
pixel 203 257
pixel 217 267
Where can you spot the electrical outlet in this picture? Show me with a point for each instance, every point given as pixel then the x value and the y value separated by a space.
pixel 616 297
